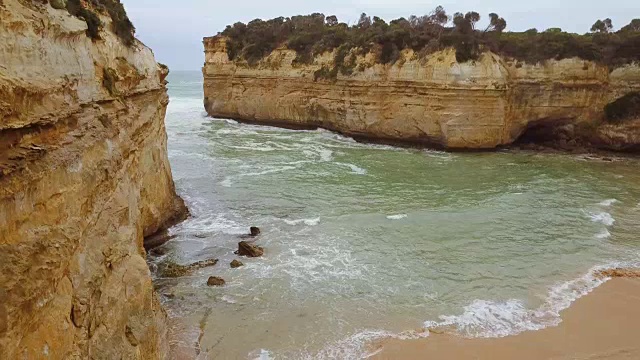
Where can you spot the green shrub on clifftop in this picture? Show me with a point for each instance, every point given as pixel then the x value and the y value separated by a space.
pixel 311 35
pixel 120 23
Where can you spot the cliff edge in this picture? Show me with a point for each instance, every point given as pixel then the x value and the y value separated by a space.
pixel 434 101
pixel 84 176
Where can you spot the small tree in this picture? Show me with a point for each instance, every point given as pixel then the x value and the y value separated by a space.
pixel 472 17
pixel 364 21
pixel 332 20
pixel 439 16
pixel 602 26
pixel 496 23
pixel 461 23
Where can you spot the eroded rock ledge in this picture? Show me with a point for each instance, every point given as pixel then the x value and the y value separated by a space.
pixel 84 176
pixel 434 101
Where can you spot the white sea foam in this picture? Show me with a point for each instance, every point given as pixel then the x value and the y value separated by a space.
pixel 228 121
pixel 263 354
pixel 483 318
pixel 602 217
pixel 326 154
pixel 356 346
pixel 190 155
pixel 608 202
pixel 604 234
pixel 206 223
pixel 442 155
pixel 309 222
pixel 226 182
pixel 397 217
pixel 253 147
pixel 229 299
pixel 354 168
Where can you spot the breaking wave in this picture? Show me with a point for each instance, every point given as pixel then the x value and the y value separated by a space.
pixel 603 217
pixel 309 222
pixel 484 318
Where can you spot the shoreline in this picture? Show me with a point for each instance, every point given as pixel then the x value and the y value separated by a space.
pixel 428 144
pixel 600 325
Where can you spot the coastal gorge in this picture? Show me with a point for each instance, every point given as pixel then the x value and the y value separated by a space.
pixel 419 82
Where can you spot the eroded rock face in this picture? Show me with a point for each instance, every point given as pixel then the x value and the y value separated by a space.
pixel 434 101
pixel 84 176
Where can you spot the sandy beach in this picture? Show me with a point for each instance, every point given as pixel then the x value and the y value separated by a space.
pixel 602 325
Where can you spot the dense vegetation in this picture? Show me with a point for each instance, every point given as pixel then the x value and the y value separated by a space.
pixel 120 23
pixel 314 34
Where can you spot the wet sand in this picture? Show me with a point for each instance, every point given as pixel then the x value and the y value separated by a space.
pixel 602 325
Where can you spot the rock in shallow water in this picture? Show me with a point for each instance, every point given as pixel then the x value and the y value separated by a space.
pixel 173 270
pixel 249 250
pixel 236 264
pixel 216 281
pixel 254 231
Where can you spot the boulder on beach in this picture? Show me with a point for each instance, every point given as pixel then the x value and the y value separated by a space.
pixel 216 281
pixel 249 250
pixel 236 264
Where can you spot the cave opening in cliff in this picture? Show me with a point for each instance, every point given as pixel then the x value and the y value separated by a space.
pixel 624 108
pixel 546 132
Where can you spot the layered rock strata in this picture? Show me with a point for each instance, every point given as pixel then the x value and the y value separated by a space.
pixel 433 101
pixel 84 177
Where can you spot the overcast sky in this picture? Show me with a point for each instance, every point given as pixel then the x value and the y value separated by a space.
pixel 174 28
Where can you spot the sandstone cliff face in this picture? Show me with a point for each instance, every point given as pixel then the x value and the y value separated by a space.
pixel 434 101
pixel 84 176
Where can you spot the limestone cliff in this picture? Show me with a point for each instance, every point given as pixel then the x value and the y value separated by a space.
pixel 433 101
pixel 84 176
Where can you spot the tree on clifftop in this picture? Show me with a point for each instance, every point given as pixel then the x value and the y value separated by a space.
pixel 472 17
pixel 332 20
pixel 602 26
pixel 496 23
pixel 364 21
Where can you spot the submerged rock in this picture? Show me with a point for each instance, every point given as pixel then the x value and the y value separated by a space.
pixel 173 270
pixel 249 250
pixel 254 231
pixel 157 240
pixel 160 251
pixel 236 264
pixel 216 281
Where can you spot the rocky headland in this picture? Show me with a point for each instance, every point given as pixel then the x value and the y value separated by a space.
pixel 443 96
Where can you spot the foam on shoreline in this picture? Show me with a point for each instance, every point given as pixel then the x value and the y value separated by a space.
pixel 485 318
